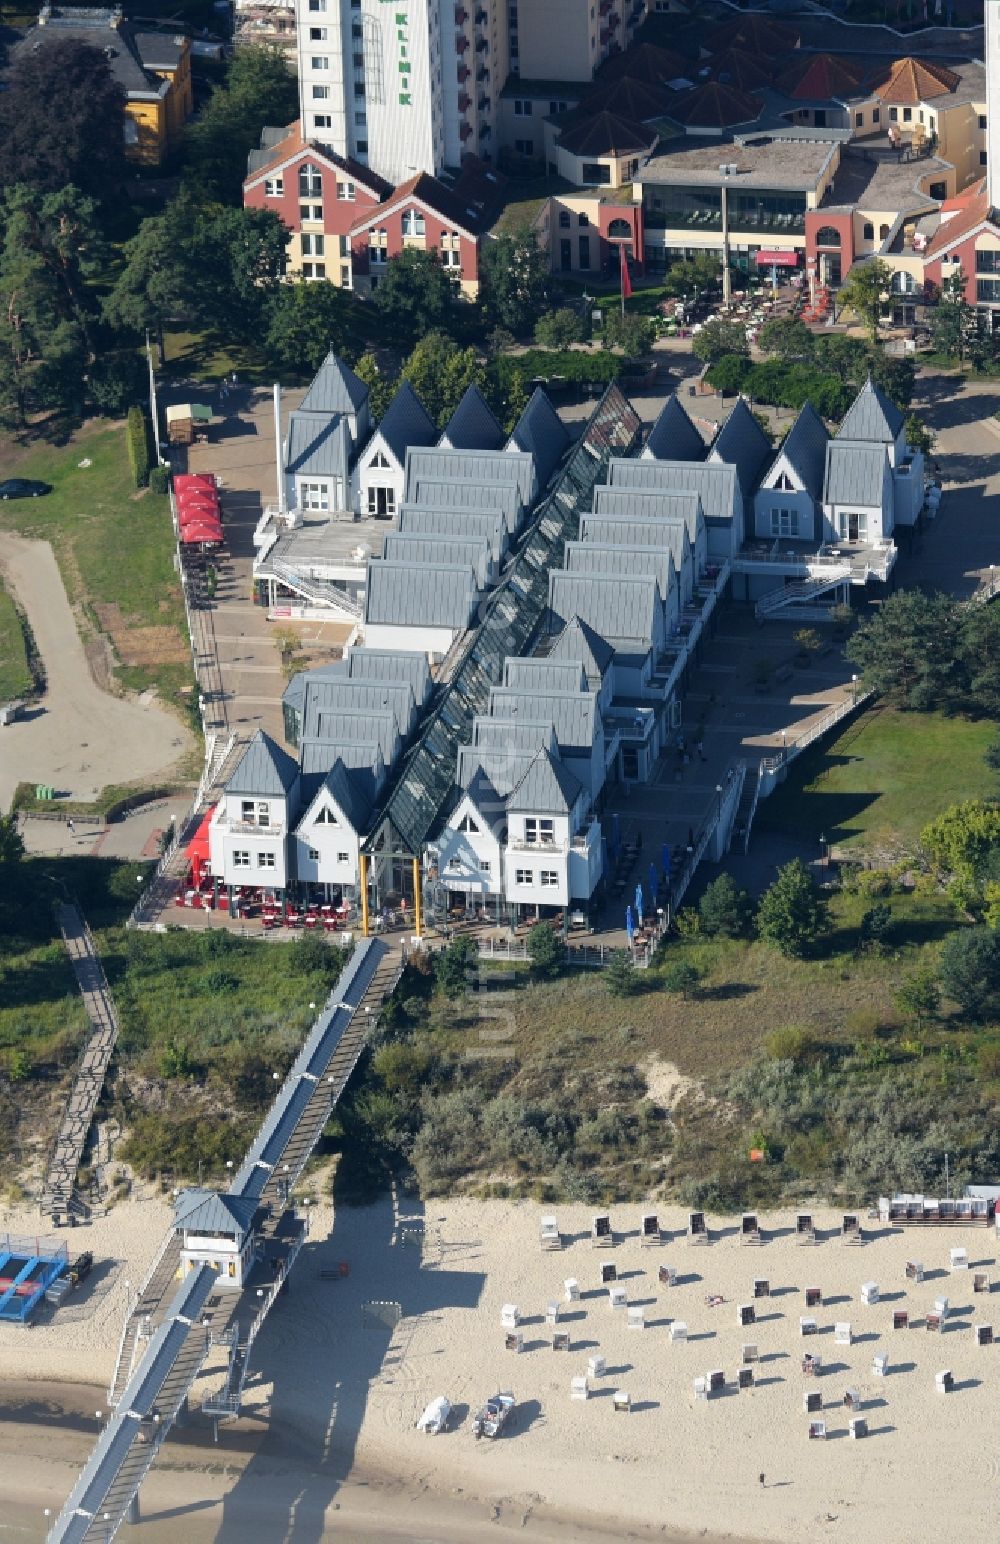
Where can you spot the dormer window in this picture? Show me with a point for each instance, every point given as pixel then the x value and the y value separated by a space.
pixel 784 483
pixel 413 223
pixel 326 817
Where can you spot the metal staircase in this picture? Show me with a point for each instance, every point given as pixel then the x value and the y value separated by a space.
pixel 746 809
pixel 799 596
pixel 323 591
pixel 59 1199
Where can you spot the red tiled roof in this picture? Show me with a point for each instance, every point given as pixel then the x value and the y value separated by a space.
pixel 815 77
pixel 745 69
pixel 648 63
pixel 714 106
pixel 294 144
pixel 915 80
pixel 757 34
pixel 607 134
pixel 952 231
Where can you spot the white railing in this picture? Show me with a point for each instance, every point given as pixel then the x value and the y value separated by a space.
pixel 771 766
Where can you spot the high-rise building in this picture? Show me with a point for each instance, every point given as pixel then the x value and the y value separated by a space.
pixel 569 39
pixel 403 86
pixel 993 101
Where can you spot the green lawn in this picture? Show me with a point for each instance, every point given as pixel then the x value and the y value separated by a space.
pixel 115 552
pixel 15 674
pixel 884 778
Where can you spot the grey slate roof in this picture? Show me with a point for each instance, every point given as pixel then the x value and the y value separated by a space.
pixel 574 715
pixel 590 557
pixel 263 769
pixel 206 1211
pixel 578 641
pixel 804 447
pixel 317 446
pixel 487 801
pixel 503 499
pixel 341 726
pixel 294 695
pixel 391 665
pixel 742 443
pixel 663 535
pixel 715 483
pixel 544 674
pixel 472 426
pixel 673 436
pixel 541 432
pixel 434 595
pixel 649 504
pixel 547 787
pixel 855 473
pixel 618 609
pixel 501 768
pixel 476 466
pixel 361 758
pixel 348 793
pixel 335 389
pixel 417 548
pixel 328 698
pixel 406 422
pixel 482 524
pixel 871 416
pixel 120 44
pixel 520 736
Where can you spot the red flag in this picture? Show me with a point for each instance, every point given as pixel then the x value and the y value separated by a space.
pixel 626 276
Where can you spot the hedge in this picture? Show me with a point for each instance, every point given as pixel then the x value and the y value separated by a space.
pixel 137 435
pixel 159 479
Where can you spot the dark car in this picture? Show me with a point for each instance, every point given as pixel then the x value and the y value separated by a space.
pixel 23 488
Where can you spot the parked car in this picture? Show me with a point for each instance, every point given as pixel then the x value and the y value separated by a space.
pixel 23 488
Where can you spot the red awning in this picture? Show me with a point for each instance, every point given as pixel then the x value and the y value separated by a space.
pixel 199 511
pixel 207 535
pixel 778 259
pixel 185 480
pixel 198 847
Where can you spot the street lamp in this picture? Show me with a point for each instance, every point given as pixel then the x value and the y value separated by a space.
pixel 854 691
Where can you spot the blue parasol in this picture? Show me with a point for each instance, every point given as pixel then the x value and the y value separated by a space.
pixel 638 902
pixel 629 924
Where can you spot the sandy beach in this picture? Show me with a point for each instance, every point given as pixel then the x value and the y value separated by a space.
pixel 328 1446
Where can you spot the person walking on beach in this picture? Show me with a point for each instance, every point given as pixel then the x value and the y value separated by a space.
pixel 71 828
pixel 761 1478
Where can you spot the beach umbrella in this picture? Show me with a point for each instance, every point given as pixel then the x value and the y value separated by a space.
pixel 629 924
pixel 638 902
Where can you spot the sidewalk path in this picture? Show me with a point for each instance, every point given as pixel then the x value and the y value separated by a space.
pixel 78 738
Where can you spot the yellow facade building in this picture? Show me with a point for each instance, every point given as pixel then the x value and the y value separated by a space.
pixel 153 70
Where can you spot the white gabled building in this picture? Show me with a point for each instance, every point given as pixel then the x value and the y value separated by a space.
pixel 328 837
pixel 379 475
pixel 788 503
pixel 553 853
pixel 248 834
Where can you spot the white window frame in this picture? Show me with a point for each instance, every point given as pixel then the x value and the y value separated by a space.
pixel 524 876
pixel 241 858
pixel 314 855
pixel 266 860
pixel 315 496
pixel 346 192
pixel 390 501
pixel 549 879
pixel 785 522
pixel 274 187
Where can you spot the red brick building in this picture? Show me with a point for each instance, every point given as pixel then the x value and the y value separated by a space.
pixel 346 222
